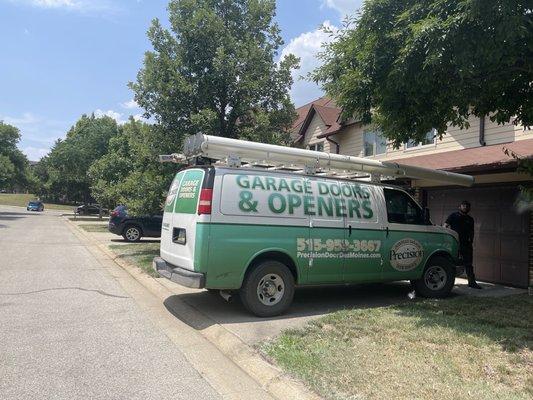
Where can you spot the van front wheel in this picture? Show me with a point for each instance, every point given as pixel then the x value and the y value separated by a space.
pixel 437 280
pixel 268 289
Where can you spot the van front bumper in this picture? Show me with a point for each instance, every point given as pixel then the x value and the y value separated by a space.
pixel 179 275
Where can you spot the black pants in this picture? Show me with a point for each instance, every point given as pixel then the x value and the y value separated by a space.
pixel 467 254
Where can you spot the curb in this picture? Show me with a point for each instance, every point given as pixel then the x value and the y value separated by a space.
pixel 268 376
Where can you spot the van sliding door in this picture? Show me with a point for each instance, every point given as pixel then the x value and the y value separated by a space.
pixel 364 237
pixel 326 232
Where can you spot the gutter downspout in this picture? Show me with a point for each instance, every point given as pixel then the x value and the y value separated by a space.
pixel 482 130
pixel 337 145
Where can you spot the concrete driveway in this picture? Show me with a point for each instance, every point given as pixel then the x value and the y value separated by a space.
pixel 309 303
pixel 69 329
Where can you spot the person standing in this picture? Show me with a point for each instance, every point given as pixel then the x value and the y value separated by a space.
pixel 463 224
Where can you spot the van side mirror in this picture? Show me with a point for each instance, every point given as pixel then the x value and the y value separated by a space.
pixel 427 218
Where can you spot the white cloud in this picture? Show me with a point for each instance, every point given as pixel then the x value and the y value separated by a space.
pixel 140 117
pixel 26 119
pixel 74 5
pixel 306 47
pixel 344 7
pixel 56 3
pixel 119 117
pixel 110 113
pixel 130 104
pixel 37 134
pixel 35 153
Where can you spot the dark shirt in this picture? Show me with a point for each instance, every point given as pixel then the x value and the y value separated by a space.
pixel 463 224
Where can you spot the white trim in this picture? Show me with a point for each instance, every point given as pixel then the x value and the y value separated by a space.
pixel 420 146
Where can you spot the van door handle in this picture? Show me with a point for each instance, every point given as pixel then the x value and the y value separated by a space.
pixel 349 230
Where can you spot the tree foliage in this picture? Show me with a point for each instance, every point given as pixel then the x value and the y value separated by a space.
pixel 14 166
pixel 214 71
pixel 413 65
pixel 129 173
pixel 63 172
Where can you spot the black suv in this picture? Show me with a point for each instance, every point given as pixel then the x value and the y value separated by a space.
pixel 133 228
pixel 88 209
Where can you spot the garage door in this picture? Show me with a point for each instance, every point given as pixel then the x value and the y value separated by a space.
pixel 501 234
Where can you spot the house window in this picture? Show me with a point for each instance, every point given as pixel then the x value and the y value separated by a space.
pixel 317 146
pixel 374 143
pixel 428 139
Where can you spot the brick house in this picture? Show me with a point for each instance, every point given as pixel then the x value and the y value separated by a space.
pixel 503 248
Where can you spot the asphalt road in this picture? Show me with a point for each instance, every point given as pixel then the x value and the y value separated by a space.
pixel 67 328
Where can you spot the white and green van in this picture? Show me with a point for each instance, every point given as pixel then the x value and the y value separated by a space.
pixel 262 232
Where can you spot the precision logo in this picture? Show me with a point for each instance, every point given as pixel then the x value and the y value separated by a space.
pixel 406 254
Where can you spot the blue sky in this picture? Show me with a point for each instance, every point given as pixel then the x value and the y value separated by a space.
pixel 64 58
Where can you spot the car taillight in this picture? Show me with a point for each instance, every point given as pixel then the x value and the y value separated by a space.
pixel 204 206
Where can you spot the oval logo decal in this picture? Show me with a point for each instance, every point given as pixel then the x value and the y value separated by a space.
pixel 406 254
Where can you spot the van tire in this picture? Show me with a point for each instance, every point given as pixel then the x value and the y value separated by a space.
pixel 437 279
pixel 269 281
pixel 132 233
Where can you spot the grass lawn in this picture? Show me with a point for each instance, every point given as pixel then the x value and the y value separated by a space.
pixel 458 348
pixel 94 227
pixel 140 254
pixel 21 199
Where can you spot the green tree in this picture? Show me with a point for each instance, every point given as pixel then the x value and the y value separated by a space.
pixel 413 65
pixel 129 172
pixel 214 71
pixel 64 169
pixel 14 166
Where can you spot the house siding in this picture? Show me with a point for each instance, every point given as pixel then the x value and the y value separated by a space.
pixel 316 127
pixel 351 139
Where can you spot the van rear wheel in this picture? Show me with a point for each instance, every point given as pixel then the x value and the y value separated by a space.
pixel 268 289
pixel 437 280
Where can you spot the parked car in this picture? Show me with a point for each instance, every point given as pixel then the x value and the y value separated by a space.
pixel 35 205
pixel 132 228
pixel 89 209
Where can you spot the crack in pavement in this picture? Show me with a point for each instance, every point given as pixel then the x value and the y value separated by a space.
pixel 67 288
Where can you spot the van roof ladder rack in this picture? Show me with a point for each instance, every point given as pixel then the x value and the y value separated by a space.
pixel 243 153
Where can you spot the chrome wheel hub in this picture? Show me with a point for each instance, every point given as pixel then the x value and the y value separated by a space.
pixel 435 277
pixel 270 289
pixel 132 234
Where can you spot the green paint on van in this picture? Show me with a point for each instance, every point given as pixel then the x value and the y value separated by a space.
pixel 223 251
pixel 189 189
pixel 171 197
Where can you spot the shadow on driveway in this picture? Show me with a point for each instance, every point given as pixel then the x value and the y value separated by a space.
pixel 201 309
pixel 120 240
pixel 11 215
pixel 309 303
